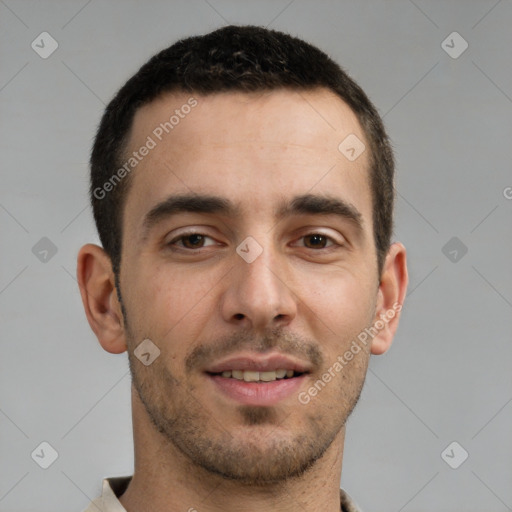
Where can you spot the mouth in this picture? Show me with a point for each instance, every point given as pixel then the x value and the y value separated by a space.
pixel 255 376
pixel 256 380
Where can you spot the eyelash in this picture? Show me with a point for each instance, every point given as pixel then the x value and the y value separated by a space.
pixel 333 243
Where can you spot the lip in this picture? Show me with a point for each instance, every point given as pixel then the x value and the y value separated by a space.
pixel 257 393
pixel 259 363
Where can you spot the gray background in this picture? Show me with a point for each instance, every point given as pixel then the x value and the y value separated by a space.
pixel 447 377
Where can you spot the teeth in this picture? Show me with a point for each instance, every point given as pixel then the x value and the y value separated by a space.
pixel 252 376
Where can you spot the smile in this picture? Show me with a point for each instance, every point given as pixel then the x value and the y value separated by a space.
pixel 254 376
pixel 255 388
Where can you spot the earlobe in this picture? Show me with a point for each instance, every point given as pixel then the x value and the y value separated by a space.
pixel 99 297
pixel 391 296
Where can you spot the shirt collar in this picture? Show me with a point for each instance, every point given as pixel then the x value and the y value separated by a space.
pixel 115 487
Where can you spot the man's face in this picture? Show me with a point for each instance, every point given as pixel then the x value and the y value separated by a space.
pixel 245 172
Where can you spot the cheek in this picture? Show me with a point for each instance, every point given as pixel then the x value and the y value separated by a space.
pixel 336 311
pixel 167 304
pixel 342 299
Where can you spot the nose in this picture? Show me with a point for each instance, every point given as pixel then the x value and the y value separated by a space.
pixel 257 296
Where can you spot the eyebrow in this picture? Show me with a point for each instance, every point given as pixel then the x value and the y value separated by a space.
pixel 308 204
pixel 313 204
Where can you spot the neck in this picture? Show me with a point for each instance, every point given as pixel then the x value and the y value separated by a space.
pixel 165 480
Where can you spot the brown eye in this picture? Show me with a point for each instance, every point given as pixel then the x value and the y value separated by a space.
pixel 316 241
pixel 193 241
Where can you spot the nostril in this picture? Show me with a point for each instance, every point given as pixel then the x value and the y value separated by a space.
pixel 239 316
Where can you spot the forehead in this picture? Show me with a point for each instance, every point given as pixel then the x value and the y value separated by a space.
pixel 253 148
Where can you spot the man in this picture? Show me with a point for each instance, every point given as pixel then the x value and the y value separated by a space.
pixel 242 186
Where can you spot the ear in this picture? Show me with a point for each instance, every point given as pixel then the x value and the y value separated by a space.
pixel 390 298
pixel 99 297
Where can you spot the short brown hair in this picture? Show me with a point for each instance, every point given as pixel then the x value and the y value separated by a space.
pixel 242 59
